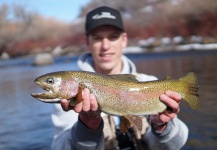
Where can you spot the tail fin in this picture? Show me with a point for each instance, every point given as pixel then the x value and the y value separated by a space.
pixel 191 95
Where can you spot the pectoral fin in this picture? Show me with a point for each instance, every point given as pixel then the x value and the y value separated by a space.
pixel 135 121
pixel 124 124
pixel 128 120
pixel 167 78
pixel 77 99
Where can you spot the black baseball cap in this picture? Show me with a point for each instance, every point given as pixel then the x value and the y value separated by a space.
pixel 103 16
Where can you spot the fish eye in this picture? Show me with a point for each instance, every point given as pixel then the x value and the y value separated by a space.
pixel 50 80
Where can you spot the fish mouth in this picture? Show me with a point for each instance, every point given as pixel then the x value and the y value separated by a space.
pixel 48 96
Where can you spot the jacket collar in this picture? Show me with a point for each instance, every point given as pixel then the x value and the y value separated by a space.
pixel 85 63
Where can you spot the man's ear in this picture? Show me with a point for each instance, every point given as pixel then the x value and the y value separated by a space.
pixel 125 39
pixel 87 43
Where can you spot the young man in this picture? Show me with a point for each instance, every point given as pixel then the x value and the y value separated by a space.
pixel 90 129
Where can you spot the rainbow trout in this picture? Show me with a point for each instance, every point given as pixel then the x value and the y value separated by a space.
pixel 120 95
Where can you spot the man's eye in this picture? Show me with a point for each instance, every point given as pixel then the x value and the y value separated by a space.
pixel 50 81
pixel 96 38
pixel 114 37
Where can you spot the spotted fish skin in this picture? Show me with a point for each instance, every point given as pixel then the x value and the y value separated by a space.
pixel 120 95
pixel 123 94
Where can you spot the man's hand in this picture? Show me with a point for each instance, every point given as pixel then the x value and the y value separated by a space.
pixel 87 109
pixel 172 100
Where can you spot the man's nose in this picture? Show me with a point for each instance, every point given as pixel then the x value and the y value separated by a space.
pixel 105 44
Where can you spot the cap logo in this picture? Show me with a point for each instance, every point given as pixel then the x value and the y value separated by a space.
pixel 104 15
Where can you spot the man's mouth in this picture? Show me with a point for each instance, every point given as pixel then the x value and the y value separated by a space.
pixel 106 57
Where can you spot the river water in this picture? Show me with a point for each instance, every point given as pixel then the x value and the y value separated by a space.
pixel 25 123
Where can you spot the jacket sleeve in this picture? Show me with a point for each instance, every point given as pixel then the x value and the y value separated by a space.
pixel 79 137
pixel 62 120
pixel 173 137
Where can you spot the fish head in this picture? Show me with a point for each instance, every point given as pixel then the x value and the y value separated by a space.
pixel 57 86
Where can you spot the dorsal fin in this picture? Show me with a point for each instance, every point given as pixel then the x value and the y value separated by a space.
pixel 125 77
pixel 167 78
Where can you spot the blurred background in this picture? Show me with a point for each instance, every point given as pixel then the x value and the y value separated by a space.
pixel 166 37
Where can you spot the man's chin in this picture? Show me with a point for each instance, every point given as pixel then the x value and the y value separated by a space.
pixel 105 68
pixel 106 59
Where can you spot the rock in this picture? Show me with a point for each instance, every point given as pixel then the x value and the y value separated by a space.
pixel 196 39
pixel 58 51
pixel 133 49
pixel 43 59
pixel 165 41
pixel 149 43
pixel 5 56
pixel 178 40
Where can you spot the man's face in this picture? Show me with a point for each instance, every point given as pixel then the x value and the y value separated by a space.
pixel 106 44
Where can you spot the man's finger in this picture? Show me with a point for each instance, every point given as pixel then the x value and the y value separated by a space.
pixel 174 95
pixel 164 118
pixel 65 105
pixel 93 102
pixel 86 100
pixel 169 114
pixel 78 107
pixel 171 103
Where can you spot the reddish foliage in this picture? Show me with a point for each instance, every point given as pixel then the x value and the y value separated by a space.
pixel 204 25
pixel 25 47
